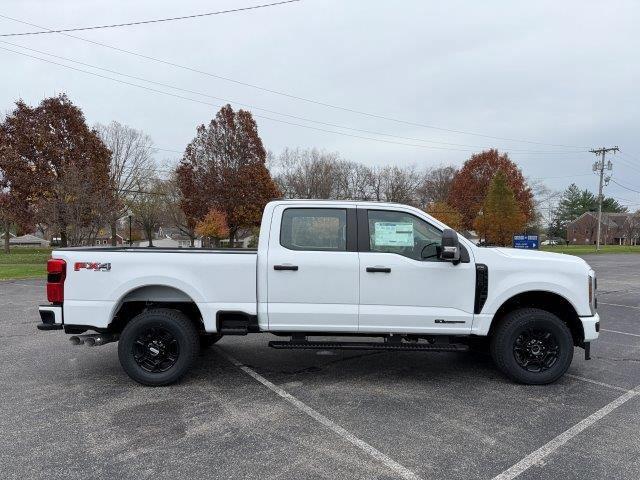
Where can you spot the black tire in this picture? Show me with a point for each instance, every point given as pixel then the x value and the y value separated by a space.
pixel 158 347
pixel 532 346
pixel 207 340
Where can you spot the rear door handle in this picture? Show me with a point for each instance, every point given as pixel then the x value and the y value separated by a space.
pixel 378 270
pixel 286 267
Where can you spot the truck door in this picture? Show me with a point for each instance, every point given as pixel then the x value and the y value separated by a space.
pixel 404 287
pixel 312 270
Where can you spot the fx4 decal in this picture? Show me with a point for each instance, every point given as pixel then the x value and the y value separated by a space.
pixel 95 266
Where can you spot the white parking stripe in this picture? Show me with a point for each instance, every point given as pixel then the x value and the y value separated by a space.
pixel 595 382
pixel 550 447
pixel 621 333
pixel 399 470
pixel 618 305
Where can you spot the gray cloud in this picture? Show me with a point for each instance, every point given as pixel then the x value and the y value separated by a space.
pixel 555 72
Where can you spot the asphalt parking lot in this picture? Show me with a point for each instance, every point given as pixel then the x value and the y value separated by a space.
pixel 248 411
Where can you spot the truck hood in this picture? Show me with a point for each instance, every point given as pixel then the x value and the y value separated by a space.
pixel 536 255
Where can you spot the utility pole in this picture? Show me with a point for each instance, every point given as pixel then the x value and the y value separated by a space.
pixel 599 167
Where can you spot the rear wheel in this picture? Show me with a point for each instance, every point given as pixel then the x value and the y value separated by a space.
pixel 532 346
pixel 158 347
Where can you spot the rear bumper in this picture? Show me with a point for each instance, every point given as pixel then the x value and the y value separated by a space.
pixel 591 327
pixel 51 316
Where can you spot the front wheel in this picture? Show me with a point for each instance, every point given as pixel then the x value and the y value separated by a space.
pixel 158 346
pixel 532 346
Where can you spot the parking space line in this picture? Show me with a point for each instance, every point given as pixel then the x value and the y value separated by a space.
pixel 399 470
pixel 550 447
pixel 595 382
pixel 619 305
pixel 621 333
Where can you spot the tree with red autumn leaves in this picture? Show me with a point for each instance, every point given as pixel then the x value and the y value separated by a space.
pixel 213 226
pixel 55 168
pixel 471 184
pixel 445 213
pixel 223 168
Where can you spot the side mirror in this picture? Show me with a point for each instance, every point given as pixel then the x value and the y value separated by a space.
pixel 450 246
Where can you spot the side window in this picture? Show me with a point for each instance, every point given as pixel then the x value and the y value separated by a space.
pixel 404 234
pixel 323 229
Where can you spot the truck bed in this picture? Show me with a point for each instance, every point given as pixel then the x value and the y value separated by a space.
pixel 99 280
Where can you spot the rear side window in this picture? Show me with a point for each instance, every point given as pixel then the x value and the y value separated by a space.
pixel 323 229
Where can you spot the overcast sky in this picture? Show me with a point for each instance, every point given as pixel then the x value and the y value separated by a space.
pixel 564 73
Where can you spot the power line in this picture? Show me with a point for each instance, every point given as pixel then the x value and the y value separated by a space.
pixel 167 150
pixel 562 176
pixel 218 106
pixel 628 163
pixel 153 82
pixel 627 201
pixel 145 22
pixel 626 188
pixel 630 156
pixel 291 96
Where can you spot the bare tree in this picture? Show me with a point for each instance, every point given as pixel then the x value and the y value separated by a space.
pixel 131 163
pixel 308 173
pixel 149 208
pixel 174 213
pixel 632 228
pixel 434 185
pixel 400 184
pixel 316 173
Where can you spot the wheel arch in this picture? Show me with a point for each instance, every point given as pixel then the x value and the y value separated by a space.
pixel 544 300
pixel 143 297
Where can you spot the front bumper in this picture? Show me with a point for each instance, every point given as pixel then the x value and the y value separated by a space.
pixel 591 327
pixel 51 316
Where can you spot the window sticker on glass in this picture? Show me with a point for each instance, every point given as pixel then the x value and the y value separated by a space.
pixel 389 234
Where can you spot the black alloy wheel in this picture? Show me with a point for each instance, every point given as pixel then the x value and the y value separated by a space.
pixel 156 349
pixel 158 346
pixel 532 346
pixel 536 350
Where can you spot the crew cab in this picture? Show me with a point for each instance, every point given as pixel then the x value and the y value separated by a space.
pixel 367 275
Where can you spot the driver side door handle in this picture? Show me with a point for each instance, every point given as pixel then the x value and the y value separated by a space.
pixel 286 267
pixel 378 270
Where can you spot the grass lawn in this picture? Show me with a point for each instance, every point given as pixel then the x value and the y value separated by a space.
pixel 24 263
pixel 586 249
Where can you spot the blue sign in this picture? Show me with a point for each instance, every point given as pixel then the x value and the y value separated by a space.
pixel 526 241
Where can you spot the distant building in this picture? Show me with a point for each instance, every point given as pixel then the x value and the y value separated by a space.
pixel 28 241
pixel 105 240
pixel 180 239
pixel 616 229
pixel 161 243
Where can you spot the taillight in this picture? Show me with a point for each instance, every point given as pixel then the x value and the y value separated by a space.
pixel 56 273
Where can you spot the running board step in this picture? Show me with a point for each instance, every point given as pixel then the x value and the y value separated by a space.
pixel 431 347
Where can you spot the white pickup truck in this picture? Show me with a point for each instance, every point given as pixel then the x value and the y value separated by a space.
pixel 387 273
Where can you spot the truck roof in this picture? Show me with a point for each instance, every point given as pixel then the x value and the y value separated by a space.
pixel 344 201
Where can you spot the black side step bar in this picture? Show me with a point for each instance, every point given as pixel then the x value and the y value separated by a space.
pixel 431 347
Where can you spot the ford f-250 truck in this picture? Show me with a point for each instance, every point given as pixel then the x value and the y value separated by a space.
pixel 387 273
